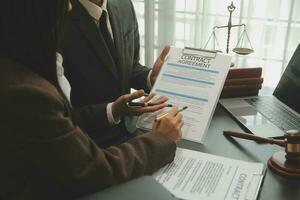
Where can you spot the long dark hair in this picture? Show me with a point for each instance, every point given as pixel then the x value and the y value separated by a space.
pixel 30 31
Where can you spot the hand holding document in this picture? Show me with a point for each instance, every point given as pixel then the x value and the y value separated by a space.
pixel 195 175
pixel 193 78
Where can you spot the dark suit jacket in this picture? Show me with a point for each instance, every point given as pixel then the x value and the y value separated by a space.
pixel 95 77
pixel 44 155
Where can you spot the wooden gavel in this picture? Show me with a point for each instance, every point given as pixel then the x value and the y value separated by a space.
pixel 291 143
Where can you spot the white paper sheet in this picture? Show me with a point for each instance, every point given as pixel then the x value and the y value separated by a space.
pixel 194 79
pixel 196 175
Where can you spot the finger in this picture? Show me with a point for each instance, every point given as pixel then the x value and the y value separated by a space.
pixel 164 52
pixel 180 133
pixel 179 136
pixel 180 125
pixel 160 100
pixel 149 109
pixel 178 118
pixel 134 95
pixel 173 111
pixel 154 125
pixel 134 111
pixel 148 98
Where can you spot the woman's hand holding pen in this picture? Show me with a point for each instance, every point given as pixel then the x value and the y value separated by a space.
pixel 170 125
pixel 120 107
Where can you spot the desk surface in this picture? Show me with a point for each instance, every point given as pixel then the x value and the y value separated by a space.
pixel 274 187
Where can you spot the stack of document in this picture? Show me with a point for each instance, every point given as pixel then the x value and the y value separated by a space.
pixel 193 78
pixel 194 175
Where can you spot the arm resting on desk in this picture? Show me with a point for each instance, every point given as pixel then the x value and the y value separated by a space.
pixel 37 126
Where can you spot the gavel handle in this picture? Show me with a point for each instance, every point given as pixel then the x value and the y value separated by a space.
pixel 248 136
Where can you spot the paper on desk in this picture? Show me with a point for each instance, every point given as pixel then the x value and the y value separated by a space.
pixel 196 175
pixel 194 79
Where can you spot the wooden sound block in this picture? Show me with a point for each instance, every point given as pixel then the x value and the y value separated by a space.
pixel 278 164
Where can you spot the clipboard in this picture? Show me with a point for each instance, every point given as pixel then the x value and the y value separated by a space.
pixel 190 78
pixel 197 52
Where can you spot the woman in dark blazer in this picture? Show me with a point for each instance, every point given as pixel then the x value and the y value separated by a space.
pixel 43 152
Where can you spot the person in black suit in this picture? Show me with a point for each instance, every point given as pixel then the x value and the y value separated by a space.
pixel 101 61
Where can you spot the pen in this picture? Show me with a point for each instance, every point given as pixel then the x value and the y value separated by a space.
pixel 141 104
pixel 162 115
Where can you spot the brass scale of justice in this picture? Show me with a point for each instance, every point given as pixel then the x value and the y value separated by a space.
pixel 243 46
pixel 285 163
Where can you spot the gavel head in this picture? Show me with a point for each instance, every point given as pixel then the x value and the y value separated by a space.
pixel 292 148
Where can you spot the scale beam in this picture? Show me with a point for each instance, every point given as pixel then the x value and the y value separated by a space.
pixel 239 49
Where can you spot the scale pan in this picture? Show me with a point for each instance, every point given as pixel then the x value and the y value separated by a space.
pixel 242 51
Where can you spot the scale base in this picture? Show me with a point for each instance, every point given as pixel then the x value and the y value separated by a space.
pixel 278 164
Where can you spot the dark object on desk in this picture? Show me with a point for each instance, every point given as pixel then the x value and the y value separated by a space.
pixel 283 163
pixel 241 88
pixel 244 81
pixel 241 82
pixel 231 91
pixel 250 136
pixel 244 72
pixel 146 188
pixel 288 89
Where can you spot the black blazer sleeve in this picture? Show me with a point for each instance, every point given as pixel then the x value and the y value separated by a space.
pixel 37 125
pixel 92 117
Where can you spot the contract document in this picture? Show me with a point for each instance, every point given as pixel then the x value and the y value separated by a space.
pixel 194 175
pixel 193 78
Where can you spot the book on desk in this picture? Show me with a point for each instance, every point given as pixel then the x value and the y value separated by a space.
pixel 241 82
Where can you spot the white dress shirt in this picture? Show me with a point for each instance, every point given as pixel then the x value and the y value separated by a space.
pixel 63 82
pixel 96 11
